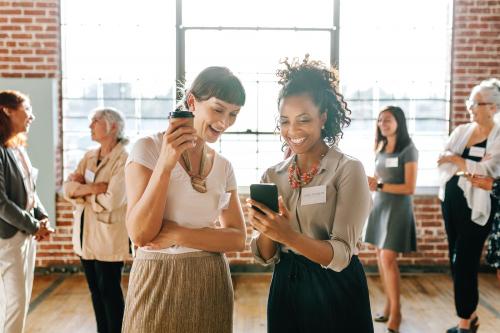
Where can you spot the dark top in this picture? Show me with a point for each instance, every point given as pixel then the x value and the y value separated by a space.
pixel 13 200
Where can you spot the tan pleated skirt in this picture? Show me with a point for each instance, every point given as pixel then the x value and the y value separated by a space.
pixel 181 293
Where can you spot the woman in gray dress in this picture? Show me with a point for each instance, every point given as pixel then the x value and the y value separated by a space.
pixel 391 225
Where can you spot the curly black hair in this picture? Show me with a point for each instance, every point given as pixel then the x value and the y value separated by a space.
pixel 320 82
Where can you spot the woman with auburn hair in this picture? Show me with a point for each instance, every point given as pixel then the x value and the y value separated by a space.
pixel 23 219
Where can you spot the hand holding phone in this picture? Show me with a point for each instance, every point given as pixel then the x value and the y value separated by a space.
pixel 266 194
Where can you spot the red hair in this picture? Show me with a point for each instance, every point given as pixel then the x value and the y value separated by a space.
pixel 10 99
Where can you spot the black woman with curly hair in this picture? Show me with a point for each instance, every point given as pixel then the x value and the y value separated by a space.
pixel 318 283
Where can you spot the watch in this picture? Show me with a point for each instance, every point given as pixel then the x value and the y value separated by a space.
pixel 380 186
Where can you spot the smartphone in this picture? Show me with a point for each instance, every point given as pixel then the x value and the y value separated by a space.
pixel 266 194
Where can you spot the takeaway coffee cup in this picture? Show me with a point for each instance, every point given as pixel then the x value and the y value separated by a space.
pixel 180 114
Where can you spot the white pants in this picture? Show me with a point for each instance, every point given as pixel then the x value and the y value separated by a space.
pixel 17 265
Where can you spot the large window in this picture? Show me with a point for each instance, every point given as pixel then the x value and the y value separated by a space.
pixel 120 54
pixel 389 53
pixel 395 52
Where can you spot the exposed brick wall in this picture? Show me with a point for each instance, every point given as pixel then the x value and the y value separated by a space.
pixel 30 29
pixel 476 50
pixel 432 245
pixel 29 39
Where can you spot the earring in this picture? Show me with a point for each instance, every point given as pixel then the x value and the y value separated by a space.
pixel 323 127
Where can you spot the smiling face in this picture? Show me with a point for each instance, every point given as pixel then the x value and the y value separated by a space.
pixel 480 110
pixel 301 123
pixel 212 117
pixel 387 124
pixel 21 118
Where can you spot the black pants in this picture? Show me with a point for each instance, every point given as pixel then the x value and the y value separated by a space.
pixel 104 280
pixel 304 297
pixel 465 246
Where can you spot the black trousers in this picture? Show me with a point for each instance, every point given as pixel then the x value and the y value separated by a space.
pixel 104 280
pixel 304 297
pixel 465 246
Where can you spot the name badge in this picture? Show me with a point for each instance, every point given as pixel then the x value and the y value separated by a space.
pixel 391 162
pixel 313 195
pixel 89 176
pixel 477 151
pixel 34 174
pixel 224 200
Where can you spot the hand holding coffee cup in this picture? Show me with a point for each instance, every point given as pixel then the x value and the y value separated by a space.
pixel 179 136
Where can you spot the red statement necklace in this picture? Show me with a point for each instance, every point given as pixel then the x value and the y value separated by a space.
pixel 299 179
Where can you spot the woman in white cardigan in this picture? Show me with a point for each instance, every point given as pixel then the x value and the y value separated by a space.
pixel 472 149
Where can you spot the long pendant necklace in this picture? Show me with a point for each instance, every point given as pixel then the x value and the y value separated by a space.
pixel 197 181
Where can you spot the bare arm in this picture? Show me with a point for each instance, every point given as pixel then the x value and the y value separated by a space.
pixel 276 228
pixel 147 190
pixel 146 197
pixel 230 237
pixel 267 247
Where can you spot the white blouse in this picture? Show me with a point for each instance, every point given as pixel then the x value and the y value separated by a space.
pixel 184 205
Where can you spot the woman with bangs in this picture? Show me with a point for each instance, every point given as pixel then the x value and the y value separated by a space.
pixel 184 213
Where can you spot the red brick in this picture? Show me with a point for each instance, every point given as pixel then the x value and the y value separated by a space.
pixel 35 12
pixel 5 12
pixel 27 4
pixel 10 28
pixel 46 4
pixel 21 20
pixel 11 75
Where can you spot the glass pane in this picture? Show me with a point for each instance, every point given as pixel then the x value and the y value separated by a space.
pixel 263 13
pixel 79 107
pixel 125 61
pixel 255 68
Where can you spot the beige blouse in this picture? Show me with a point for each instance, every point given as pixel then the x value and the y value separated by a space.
pixel 339 218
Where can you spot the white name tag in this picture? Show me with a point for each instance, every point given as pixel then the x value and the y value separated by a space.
pixel 391 162
pixel 313 195
pixel 34 174
pixel 224 200
pixel 477 151
pixel 89 176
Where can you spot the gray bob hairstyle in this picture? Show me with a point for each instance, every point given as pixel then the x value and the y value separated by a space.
pixel 112 116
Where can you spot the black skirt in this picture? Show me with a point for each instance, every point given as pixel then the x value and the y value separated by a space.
pixel 305 297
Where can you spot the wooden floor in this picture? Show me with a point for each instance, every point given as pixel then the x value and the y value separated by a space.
pixel 61 303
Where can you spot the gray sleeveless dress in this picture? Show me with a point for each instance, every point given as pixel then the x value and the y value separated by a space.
pixel 391 224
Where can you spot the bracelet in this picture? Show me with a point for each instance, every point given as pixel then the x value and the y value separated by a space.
pixel 380 186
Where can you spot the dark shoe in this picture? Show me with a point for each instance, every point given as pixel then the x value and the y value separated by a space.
pixel 474 325
pixel 380 318
pixel 389 330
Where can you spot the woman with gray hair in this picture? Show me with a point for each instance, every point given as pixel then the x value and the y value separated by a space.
pixel 473 150
pixel 97 191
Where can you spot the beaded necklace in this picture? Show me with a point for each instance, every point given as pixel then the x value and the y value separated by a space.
pixel 298 179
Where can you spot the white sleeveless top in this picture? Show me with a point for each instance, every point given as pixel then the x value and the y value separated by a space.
pixel 184 205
